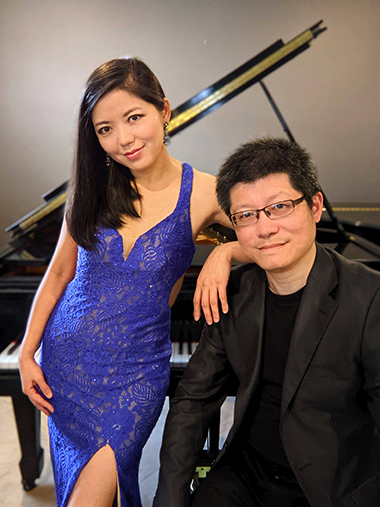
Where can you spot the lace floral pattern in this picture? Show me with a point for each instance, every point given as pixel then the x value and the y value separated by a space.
pixel 106 348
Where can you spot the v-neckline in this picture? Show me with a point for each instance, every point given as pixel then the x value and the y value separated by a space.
pixel 137 240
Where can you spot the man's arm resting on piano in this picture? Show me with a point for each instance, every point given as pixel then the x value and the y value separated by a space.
pixel 213 279
pixel 60 272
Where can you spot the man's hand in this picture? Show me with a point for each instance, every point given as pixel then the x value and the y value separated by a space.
pixel 212 284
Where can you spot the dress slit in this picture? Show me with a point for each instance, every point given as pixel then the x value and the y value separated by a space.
pixel 101 469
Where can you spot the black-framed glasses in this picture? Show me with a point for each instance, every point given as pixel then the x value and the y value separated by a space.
pixel 274 211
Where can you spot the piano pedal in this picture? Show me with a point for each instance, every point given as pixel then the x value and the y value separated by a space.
pixel 200 474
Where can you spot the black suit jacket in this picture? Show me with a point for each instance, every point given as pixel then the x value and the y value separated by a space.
pixel 330 414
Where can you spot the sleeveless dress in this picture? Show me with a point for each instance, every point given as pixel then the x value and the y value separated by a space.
pixel 106 348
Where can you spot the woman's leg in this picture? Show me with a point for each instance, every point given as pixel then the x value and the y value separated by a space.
pixel 97 483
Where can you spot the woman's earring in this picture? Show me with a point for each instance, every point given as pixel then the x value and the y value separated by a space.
pixel 108 160
pixel 166 134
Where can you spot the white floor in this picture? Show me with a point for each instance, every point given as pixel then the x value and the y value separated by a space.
pixel 11 491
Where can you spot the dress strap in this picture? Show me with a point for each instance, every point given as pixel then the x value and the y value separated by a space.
pixel 186 186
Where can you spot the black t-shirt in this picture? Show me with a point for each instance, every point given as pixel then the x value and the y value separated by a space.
pixel 262 421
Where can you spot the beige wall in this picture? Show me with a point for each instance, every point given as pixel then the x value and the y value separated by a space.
pixel 329 95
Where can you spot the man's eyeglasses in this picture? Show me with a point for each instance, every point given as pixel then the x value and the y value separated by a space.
pixel 274 211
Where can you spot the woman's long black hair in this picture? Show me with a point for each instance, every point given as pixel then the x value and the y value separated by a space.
pixel 101 195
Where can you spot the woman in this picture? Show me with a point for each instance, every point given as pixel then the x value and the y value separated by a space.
pixel 103 309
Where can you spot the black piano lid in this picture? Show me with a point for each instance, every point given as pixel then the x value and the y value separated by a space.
pixel 50 194
pixel 54 198
pixel 240 79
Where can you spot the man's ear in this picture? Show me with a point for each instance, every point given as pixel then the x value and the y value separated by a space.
pixel 317 207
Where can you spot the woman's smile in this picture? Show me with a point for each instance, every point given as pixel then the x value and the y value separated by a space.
pixel 133 154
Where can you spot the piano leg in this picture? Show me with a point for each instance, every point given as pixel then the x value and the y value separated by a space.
pixel 28 420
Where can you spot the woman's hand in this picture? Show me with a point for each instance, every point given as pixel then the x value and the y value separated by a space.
pixel 33 384
pixel 212 284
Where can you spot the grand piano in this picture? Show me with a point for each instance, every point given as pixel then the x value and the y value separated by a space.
pixel 34 236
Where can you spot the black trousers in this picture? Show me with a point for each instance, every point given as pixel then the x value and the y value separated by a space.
pixel 243 480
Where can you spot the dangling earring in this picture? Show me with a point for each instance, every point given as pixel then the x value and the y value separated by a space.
pixel 166 134
pixel 108 160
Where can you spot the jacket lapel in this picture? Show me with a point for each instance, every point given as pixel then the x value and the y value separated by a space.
pixel 316 310
pixel 248 315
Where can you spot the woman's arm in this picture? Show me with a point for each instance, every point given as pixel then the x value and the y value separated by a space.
pixel 59 273
pixel 213 278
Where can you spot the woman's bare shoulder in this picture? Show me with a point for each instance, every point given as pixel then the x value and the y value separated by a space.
pixel 204 182
pixel 202 176
pixel 204 203
pixel 205 200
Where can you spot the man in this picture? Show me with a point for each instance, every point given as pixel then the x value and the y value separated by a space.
pixel 302 336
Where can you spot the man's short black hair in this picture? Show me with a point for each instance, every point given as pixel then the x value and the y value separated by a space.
pixel 257 159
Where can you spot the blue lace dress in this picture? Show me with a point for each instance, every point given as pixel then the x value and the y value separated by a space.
pixel 106 348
